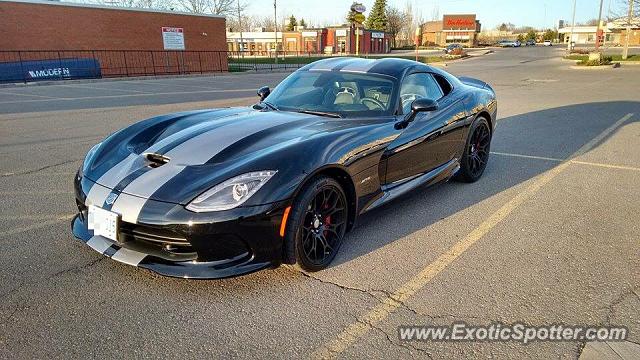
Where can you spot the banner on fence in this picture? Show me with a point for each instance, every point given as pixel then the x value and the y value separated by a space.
pixel 49 69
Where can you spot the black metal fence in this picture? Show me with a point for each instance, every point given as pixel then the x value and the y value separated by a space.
pixel 32 65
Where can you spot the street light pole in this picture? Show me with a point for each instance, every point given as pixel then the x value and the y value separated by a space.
pixel 573 25
pixel 240 25
pixel 275 27
pixel 625 51
pixel 598 28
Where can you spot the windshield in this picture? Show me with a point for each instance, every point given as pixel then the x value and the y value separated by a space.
pixel 342 93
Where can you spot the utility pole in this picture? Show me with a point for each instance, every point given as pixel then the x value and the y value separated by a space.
pixel 573 25
pixel 275 28
pixel 598 31
pixel 625 51
pixel 240 25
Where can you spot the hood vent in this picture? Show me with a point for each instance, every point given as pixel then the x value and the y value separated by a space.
pixel 156 160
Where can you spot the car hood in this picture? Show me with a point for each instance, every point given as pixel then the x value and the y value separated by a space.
pixel 199 149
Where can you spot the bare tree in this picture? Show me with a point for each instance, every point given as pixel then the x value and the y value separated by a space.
pixel 406 32
pixel 395 23
pixel 435 13
pixel 216 7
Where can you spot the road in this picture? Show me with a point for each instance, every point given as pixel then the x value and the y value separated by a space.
pixel 549 234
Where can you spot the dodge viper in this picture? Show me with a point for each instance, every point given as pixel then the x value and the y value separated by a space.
pixel 223 192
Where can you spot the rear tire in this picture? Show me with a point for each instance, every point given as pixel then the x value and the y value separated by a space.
pixel 476 151
pixel 317 224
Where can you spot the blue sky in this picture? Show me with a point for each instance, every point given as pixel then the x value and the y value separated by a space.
pixel 490 12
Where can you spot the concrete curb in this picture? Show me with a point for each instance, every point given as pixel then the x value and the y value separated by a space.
pixel 599 67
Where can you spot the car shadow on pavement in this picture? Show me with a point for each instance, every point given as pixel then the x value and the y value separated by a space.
pixel 553 133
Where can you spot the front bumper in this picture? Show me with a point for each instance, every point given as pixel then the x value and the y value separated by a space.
pixel 172 241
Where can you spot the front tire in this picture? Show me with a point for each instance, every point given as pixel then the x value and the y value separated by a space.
pixel 317 224
pixel 476 151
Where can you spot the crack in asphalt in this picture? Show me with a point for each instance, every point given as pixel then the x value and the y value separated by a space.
pixel 368 292
pixel 406 345
pixel 617 301
pixel 56 274
pixel 371 294
pixel 25 172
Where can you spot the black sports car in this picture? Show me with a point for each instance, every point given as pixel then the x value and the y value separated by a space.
pixel 223 192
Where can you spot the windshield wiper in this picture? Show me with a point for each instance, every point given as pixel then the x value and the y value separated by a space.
pixel 270 106
pixel 320 113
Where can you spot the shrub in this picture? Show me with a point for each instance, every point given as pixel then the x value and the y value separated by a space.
pixel 605 60
pixel 580 51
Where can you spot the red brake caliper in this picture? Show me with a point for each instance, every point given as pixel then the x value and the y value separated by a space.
pixel 327 219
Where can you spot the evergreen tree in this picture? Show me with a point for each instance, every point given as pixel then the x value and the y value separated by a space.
pixel 292 23
pixel 302 23
pixel 377 19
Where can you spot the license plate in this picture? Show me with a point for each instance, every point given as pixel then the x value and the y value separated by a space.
pixel 103 222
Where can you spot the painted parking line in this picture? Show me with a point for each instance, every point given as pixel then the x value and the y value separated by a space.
pixel 36 217
pixel 127 96
pixel 77 86
pixel 3 92
pixel 589 163
pixel 35 193
pixel 39 225
pixel 389 304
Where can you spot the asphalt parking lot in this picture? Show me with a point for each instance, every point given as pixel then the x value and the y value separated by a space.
pixel 550 234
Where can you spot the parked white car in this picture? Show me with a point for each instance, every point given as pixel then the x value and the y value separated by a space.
pixel 547 43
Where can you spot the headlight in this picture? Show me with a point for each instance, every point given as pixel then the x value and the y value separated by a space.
pixel 231 193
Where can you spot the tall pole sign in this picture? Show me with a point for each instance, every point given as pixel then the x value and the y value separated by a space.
pixel 416 40
pixel 573 25
pixel 625 50
pixel 358 19
pixel 599 32
pixel 275 27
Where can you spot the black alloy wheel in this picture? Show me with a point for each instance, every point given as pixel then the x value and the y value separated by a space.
pixel 476 153
pixel 317 225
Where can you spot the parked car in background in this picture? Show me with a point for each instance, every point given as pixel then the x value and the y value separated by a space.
pixel 451 48
pixel 508 43
pixel 531 42
pixel 547 43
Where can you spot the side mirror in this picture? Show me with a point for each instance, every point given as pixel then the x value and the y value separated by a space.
pixel 418 105
pixel 424 104
pixel 263 92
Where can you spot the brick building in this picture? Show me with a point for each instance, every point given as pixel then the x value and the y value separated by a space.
pixel 452 29
pixel 331 40
pixel 139 40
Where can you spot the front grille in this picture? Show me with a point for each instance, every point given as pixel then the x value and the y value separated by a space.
pixel 169 240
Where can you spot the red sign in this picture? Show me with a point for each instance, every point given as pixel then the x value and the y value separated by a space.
pixel 172 29
pixel 459 22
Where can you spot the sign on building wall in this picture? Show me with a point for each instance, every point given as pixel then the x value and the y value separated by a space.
pixel 173 38
pixel 377 35
pixel 459 22
pixel 341 32
pixel 309 34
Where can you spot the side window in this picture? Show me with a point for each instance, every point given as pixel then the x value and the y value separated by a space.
pixel 419 85
pixel 444 84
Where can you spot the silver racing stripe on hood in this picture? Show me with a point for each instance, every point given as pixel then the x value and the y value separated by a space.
pixel 195 151
pixel 133 198
pixel 129 207
pixel 97 195
pixel 199 149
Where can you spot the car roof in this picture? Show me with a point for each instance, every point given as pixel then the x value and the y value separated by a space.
pixel 394 67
